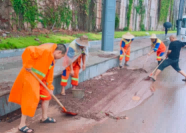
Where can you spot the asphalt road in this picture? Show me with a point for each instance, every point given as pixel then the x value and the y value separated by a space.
pixel 164 112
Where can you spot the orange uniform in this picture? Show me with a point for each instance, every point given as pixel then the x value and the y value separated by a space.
pixel 26 90
pixel 160 48
pixel 66 73
pixel 125 49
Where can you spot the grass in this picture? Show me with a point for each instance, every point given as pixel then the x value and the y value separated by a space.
pixel 22 42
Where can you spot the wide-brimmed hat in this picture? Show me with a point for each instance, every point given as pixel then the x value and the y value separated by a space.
pixel 153 36
pixel 82 41
pixel 127 36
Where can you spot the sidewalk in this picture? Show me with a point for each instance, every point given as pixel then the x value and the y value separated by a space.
pixel 10 67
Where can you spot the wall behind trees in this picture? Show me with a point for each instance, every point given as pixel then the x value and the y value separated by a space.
pixel 146 14
pixel 86 15
pixel 5 9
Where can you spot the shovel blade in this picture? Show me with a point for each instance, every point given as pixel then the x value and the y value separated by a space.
pixel 69 113
pixel 148 78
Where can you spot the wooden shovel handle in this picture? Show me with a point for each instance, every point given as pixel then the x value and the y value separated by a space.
pixel 145 61
pixel 49 91
pixel 158 66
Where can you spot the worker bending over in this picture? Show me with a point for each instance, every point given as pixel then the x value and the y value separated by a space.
pixel 159 47
pixel 26 90
pixel 172 56
pixel 125 48
pixel 75 67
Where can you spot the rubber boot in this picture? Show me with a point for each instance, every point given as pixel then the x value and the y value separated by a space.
pixel 126 64
pixel 120 65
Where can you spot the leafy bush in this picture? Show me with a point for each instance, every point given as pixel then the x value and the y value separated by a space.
pixel 125 29
pixel 117 21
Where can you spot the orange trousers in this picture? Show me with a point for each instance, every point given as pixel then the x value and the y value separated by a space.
pixel 44 94
pixel 159 55
pixel 122 53
pixel 66 73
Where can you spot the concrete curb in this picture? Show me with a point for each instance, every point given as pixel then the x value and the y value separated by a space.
pixel 18 52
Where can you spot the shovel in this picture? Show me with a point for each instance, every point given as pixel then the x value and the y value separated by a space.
pixel 60 104
pixel 149 77
pixel 145 63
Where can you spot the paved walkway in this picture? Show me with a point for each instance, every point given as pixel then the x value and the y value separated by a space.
pixel 10 67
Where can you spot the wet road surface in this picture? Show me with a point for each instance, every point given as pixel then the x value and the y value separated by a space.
pixel 162 112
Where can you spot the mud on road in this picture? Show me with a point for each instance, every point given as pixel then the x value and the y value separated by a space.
pixel 96 90
pixel 103 90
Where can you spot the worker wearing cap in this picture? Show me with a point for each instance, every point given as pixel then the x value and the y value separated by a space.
pixel 75 67
pixel 125 48
pixel 159 47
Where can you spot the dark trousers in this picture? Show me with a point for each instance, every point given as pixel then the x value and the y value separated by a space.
pixel 166 31
pixel 170 62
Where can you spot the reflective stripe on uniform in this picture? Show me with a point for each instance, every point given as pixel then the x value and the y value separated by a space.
pixel 121 55
pixel 38 72
pixel 158 57
pixel 75 79
pixel 50 67
pixel 126 42
pixel 127 56
pixel 157 41
pixel 63 80
pixel 43 96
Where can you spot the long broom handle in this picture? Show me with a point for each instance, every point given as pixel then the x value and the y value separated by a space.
pixel 49 91
pixel 145 61
pixel 157 67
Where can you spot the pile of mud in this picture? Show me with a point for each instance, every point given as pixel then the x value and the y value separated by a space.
pixel 140 70
pixel 96 89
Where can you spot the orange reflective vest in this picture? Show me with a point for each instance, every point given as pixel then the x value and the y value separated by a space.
pixel 26 88
pixel 159 46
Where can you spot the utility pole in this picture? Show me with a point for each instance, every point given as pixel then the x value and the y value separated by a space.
pixel 179 21
pixel 108 25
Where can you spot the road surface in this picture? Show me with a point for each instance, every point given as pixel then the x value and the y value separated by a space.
pixel 163 112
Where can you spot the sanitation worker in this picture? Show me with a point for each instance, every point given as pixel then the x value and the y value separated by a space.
pixel 159 47
pixel 78 50
pixel 172 56
pixel 27 91
pixel 125 48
